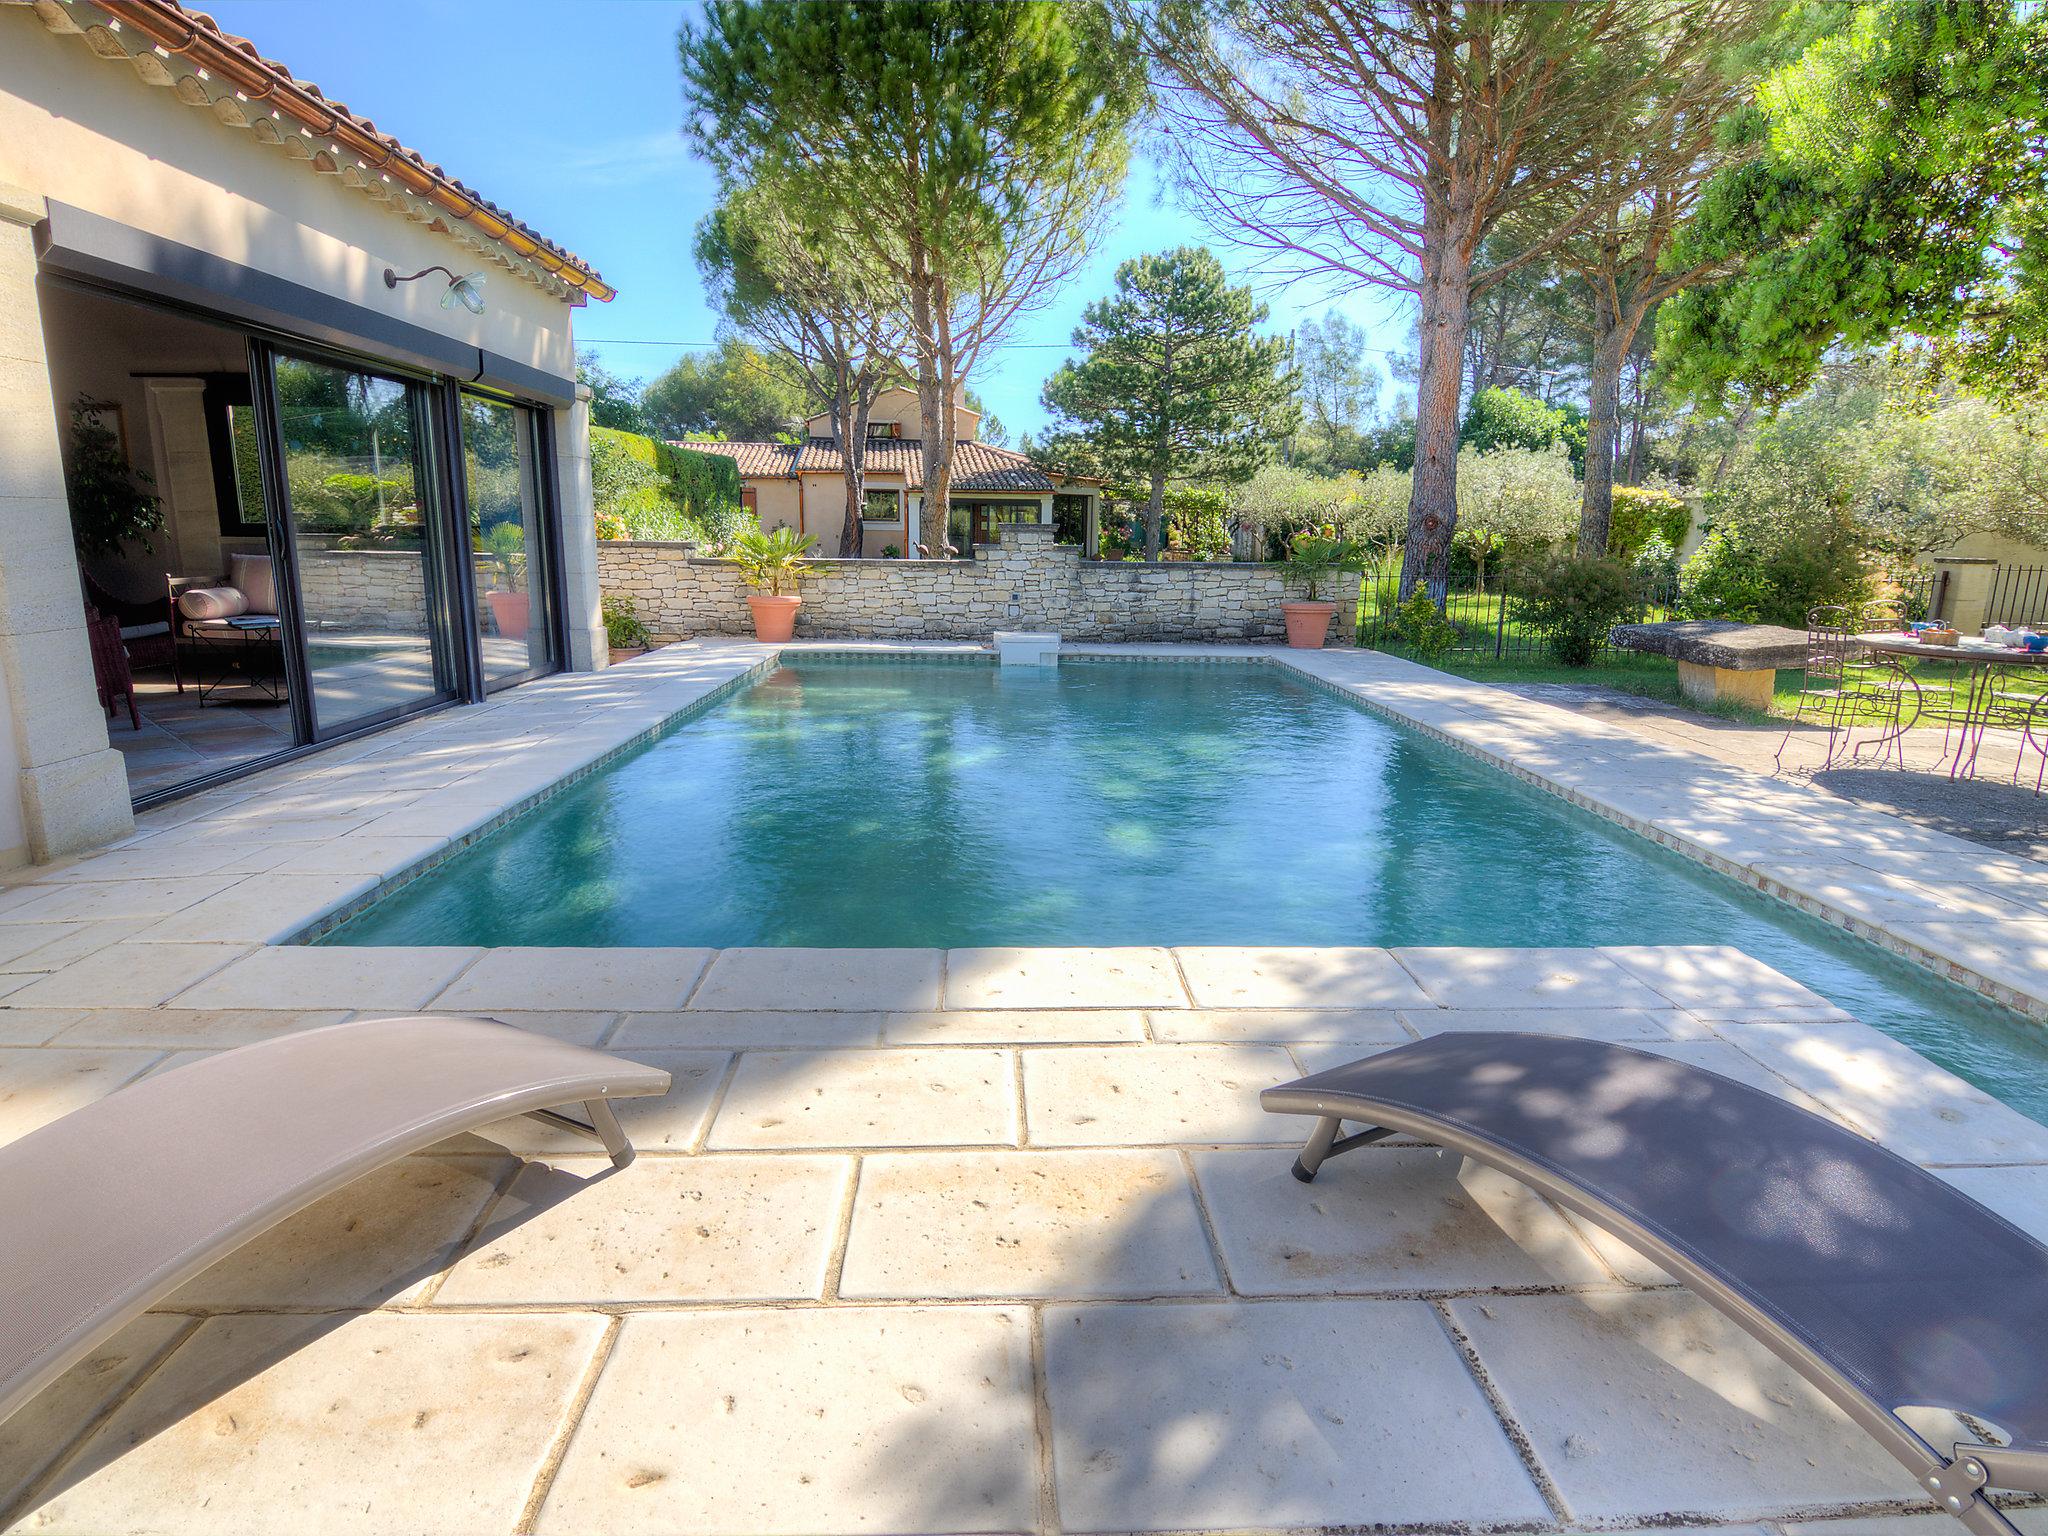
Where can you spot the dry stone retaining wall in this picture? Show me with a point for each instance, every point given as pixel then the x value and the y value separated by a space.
pixel 1025 582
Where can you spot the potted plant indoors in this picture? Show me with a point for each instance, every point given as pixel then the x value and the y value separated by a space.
pixel 1315 555
pixel 773 564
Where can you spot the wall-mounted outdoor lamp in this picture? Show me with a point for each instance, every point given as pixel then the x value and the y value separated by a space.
pixel 466 290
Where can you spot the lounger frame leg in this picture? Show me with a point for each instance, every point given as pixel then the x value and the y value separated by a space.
pixel 603 1126
pixel 1324 1143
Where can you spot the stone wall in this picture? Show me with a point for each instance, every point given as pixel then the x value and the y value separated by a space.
pixel 1025 582
pixel 375 589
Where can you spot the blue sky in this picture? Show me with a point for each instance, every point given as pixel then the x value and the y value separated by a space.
pixel 569 115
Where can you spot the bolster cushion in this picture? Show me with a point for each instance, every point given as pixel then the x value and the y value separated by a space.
pixel 212 603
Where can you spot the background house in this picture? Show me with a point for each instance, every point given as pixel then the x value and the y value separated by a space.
pixel 802 485
pixel 247 293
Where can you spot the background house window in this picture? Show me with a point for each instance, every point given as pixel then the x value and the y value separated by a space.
pixel 881 507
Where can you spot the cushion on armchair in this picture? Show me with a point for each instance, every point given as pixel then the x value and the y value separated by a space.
pixel 212 602
pixel 254 577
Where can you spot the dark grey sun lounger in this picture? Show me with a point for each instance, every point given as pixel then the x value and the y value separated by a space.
pixel 1880 1284
pixel 115 1206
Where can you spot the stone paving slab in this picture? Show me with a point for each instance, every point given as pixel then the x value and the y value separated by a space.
pixel 1525 978
pixel 1622 1026
pixel 33 1439
pixel 671 1122
pixel 1388 1218
pixel 1170 1417
pixel 1281 1026
pixel 1015 1026
pixel 1623 1394
pixel 38 1086
pixel 378 1424
pixel 382 1239
pixel 390 980
pixel 1062 978
pixel 675 1229
pixel 884 1419
pixel 1220 977
pixel 1044 1224
pixel 540 978
pixel 755 1029
pixel 879 979
pixel 904 1098
pixel 1142 1095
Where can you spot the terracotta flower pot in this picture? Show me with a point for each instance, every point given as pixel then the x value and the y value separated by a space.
pixel 1308 623
pixel 510 611
pixel 774 617
pixel 626 652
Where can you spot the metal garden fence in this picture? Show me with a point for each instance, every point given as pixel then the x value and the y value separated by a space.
pixel 1485 620
pixel 2019 595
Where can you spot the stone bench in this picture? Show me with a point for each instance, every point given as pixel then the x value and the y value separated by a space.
pixel 1719 658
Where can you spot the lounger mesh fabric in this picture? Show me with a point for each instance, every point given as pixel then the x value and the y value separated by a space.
pixel 1918 1294
pixel 113 1206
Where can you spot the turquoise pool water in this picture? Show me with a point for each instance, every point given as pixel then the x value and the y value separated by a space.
pixel 847 803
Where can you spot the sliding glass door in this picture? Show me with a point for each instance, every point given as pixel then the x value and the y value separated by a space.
pixel 365 515
pixel 508 529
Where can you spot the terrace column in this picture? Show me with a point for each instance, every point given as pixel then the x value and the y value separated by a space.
pixel 70 787
pixel 580 599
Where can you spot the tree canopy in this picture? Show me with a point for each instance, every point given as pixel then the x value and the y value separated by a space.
pixel 1176 385
pixel 736 392
pixel 967 151
pixel 1902 187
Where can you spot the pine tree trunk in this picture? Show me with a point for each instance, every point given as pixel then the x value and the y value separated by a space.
pixel 1614 330
pixel 851 410
pixel 1155 512
pixel 1446 308
pixel 930 388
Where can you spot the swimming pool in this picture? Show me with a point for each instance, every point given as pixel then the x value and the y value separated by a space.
pixel 856 803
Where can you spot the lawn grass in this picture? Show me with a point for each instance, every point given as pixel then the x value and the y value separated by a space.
pixel 1656 677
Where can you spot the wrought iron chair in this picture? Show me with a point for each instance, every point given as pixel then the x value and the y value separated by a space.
pixel 1844 686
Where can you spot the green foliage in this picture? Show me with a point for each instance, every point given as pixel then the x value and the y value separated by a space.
pixel 659 491
pixel 1573 602
pixel 1776 575
pixel 1512 500
pixel 774 561
pixel 736 393
pixel 1195 527
pixel 1422 626
pixel 1176 386
pixel 1315 555
pixel 110 505
pixel 614 402
pixel 1902 188
pixel 1643 513
pixel 1339 390
pixel 623 630
pixel 1507 418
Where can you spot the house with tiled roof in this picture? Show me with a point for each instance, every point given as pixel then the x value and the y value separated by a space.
pixel 294 447
pixel 803 486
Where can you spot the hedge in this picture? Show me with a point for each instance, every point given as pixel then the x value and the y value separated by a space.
pixel 704 487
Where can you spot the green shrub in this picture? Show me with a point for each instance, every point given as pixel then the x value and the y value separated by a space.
pixel 1573 603
pixel 1422 627
pixel 1643 513
pixel 660 491
pixel 623 630
pixel 1779 576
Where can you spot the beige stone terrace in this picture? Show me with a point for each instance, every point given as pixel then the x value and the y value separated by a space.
pixel 963 1241
pixel 999 1240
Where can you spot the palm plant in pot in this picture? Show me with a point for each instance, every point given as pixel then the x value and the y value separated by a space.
pixel 773 564
pixel 1316 556
pixel 511 607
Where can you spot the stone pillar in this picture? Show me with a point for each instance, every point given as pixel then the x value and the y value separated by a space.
pixel 73 786
pixel 1968 597
pixel 582 611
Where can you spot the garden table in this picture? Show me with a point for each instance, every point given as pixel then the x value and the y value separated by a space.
pixel 1984 700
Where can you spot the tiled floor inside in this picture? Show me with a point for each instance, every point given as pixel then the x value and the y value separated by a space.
pixel 973 1241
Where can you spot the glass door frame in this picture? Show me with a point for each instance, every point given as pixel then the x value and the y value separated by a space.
pixel 446 572
pixel 538 422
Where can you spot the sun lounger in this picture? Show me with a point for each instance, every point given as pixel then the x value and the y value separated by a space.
pixel 115 1206
pixel 1884 1287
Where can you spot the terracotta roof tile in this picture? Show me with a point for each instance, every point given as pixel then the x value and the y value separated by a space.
pixel 976 466
pixel 201 44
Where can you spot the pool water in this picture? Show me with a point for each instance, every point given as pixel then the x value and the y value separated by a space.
pixel 851 804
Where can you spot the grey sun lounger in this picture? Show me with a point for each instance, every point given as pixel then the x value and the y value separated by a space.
pixel 118 1204
pixel 1884 1287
